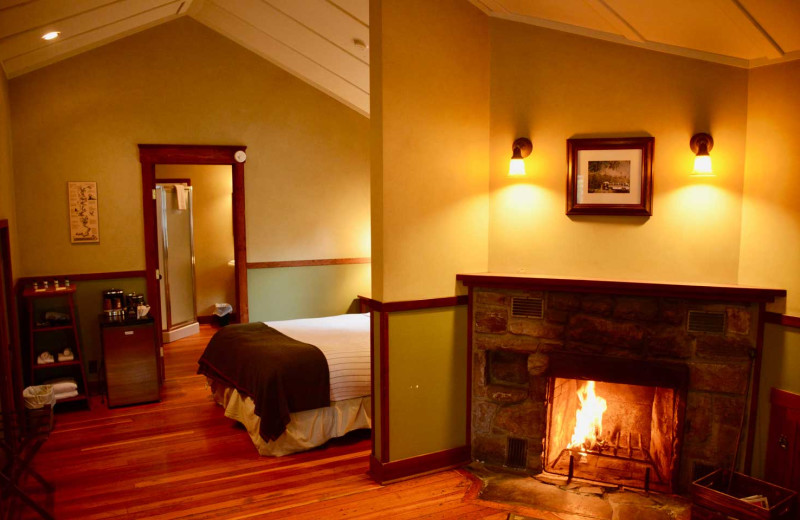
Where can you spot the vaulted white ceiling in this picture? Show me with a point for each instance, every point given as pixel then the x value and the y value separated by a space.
pixel 325 42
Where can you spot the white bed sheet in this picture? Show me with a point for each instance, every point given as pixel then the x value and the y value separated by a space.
pixel 344 340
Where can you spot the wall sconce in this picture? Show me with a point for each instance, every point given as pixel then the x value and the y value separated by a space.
pixel 701 144
pixel 522 148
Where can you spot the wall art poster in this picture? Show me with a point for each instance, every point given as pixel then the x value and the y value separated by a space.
pixel 84 225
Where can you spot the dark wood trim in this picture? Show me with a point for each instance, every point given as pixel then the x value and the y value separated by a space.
pixel 413 305
pixel 188 182
pixel 621 287
pixel 11 378
pixel 82 276
pixel 754 385
pixel 306 263
pixel 784 398
pixel 470 315
pixel 149 156
pixel 388 472
pixel 188 153
pixel 373 390
pixel 782 319
pixel 384 390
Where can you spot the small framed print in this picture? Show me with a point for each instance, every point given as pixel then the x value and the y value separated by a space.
pixel 84 227
pixel 612 176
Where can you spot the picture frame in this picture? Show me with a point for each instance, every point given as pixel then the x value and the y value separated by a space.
pixel 610 176
pixel 84 226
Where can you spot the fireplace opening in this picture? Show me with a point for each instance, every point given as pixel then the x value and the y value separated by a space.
pixel 617 426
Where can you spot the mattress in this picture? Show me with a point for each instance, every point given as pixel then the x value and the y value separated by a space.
pixel 344 340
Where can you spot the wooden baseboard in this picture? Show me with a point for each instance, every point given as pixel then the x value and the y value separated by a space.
pixel 388 472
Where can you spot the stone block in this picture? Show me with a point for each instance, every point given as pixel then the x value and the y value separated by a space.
pixel 580 348
pixel 668 342
pixel 563 301
pixel 738 319
pixel 534 461
pixel 728 410
pixel 482 416
pixel 636 309
pixel 537 364
pixel 550 346
pixel 507 367
pixel 491 298
pixel 505 342
pixel 479 374
pixel 490 449
pixel 598 305
pixel 671 311
pixel 556 316
pixel 505 394
pixel 522 420
pixel 491 322
pixel 698 418
pixel 715 377
pixel 714 346
pixel 536 328
pixel 594 330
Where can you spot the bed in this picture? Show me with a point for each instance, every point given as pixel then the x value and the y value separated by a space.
pixel 292 384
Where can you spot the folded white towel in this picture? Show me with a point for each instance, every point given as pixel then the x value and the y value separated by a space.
pixel 65 356
pixel 66 395
pixel 64 384
pixel 44 358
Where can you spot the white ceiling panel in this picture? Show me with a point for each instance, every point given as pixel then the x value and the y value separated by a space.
pixel 285 56
pixel 358 9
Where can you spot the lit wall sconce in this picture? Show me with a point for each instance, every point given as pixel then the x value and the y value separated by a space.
pixel 522 148
pixel 701 144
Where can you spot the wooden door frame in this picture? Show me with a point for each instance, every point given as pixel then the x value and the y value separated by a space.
pixel 10 393
pixel 152 154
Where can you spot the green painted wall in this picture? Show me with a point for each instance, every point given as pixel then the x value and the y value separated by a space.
pixel 779 370
pixel 427 381
pixel 285 293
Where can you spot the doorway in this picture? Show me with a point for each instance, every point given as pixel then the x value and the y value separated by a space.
pixel 152 157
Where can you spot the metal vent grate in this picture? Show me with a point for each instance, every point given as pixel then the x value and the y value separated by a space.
pixel 517 454
pixel 707 321
pixel 527 307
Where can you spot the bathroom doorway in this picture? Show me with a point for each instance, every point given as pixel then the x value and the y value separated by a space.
pixel 163 164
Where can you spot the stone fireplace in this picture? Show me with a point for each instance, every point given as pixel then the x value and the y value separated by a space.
pixel 670 364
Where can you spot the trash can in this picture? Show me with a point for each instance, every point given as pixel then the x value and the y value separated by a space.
pixel 222 313
pixel 38 396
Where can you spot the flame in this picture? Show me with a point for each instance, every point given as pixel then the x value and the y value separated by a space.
pixel 588 419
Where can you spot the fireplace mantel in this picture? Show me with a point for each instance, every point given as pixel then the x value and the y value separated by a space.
pixel 730 293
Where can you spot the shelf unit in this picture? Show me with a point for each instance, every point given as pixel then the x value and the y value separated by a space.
pixel 74 367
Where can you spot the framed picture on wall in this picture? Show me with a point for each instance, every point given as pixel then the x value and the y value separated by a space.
pixel 84 226
pixel 611 176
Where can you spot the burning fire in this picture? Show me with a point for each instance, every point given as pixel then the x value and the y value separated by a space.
pixel 588 419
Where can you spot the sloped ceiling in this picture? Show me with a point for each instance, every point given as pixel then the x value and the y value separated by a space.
pixel 325 42
pixel 742 33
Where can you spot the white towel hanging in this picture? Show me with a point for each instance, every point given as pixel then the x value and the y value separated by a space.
pixel 180 193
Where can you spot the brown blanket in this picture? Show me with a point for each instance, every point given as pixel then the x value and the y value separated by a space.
pixel 280 374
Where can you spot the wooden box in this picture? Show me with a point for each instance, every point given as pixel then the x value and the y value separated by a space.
pixel 717 496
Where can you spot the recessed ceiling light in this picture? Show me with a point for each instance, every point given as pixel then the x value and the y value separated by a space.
pixel 52 35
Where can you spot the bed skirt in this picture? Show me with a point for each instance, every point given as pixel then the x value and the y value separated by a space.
pixel 306 430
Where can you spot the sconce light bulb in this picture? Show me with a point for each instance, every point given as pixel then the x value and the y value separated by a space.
pixel 702 165
pixel 516 167
pixel 52 35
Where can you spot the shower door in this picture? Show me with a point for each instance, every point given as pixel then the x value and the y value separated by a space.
pixel 176 257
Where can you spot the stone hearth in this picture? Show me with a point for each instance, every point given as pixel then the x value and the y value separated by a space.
pixel 512 358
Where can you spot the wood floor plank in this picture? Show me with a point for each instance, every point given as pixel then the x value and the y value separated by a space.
pixel 182 459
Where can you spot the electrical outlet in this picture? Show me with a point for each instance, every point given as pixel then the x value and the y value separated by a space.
pixel 93 366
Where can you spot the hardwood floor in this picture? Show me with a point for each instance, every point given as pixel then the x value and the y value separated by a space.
pixel 181 458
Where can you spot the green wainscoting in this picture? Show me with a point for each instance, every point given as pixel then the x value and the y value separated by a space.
pixel 427 381
pixel 285 293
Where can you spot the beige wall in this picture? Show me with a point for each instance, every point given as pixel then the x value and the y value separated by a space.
pixel 430 117
pixel 212 187
pixel 551 86
pixel 306 177
pixel 770 251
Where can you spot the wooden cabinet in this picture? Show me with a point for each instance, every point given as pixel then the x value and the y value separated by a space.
pixel 129 361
